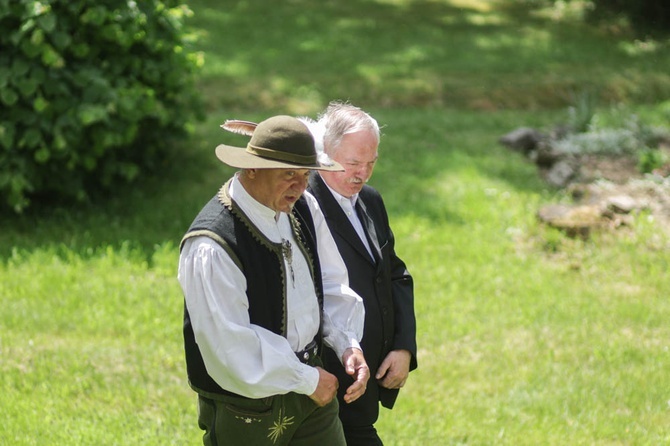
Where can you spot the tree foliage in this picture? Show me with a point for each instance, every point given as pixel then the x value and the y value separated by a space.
pixel 644 15
pixel 91 93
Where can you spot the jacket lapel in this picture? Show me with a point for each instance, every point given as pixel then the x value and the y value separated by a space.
pixel 336 218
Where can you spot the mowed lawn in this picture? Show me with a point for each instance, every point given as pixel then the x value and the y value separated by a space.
pixel 526 336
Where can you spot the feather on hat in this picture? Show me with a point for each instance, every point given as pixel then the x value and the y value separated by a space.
pixel 279 142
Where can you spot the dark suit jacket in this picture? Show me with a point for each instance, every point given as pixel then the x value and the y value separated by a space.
pixel 387 291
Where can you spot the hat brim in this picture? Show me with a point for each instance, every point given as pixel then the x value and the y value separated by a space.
pixel 239 158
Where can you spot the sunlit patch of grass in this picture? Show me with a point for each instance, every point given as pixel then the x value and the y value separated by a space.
pixel 477 5
pixel 408 53
pixel 92 337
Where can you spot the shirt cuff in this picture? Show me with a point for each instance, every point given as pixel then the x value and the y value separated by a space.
pixel 309 380
pixel 341 341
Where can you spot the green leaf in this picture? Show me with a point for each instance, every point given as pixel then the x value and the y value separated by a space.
pixel 27 25
pixel 60 142
pixel 60 91
pixel 89 163
pixel 38 73
pixel 94 16
pixel 37 37
pixel 42 155
pixel 30 49
pixel 27 86
pixel 80 50
pixel 89 114
pixel 47 22
pixel 24 115
pixel 20 67
pixel 40 104
pixel 61 40
pixel 37 8
pixel 31 138
pixel 4 8
pixel 16 37
pixel 51 58
pixel 7 134
pixel 96 90
pixel 8 96
pixel 65 120
pixel 4 76
pixel 130 171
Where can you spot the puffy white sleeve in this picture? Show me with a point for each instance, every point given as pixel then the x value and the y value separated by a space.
pixel 241 357
pixel 344 313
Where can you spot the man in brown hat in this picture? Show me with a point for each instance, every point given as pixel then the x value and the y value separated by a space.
pixel 265 288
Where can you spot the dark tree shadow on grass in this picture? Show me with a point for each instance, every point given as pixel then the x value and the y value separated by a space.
pixel 421 67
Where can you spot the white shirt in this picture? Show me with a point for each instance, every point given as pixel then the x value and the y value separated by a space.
pixel 248 359
pixel 348 205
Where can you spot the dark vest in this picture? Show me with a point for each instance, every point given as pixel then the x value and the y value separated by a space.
pixel 261 261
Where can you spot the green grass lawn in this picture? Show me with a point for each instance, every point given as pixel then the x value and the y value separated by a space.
pixel 526 337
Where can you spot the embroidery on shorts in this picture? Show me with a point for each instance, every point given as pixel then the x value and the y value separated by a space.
pixel 248 420
pixel 279 426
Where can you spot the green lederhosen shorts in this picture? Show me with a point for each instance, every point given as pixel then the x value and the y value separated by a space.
pixel 281 420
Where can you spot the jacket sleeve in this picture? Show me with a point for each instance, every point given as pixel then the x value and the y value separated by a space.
pixel 402 287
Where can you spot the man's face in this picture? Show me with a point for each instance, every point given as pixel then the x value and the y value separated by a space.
pixel 277 189
pixel 357 153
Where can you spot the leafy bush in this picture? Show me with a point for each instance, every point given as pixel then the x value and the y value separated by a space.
pixel 644 15
pixel 92 93
pixel 650 159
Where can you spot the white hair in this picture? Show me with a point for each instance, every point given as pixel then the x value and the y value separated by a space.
pixel 342 118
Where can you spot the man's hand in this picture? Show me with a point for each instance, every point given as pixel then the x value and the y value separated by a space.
pixel 355 365
pixel 394 370
pixel 326 389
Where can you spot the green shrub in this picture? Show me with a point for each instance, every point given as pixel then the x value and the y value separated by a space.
pixel 633 138
pixel 92 93
pixel 644 15
pixel 650 159
pixel 612 142
pixel 581 114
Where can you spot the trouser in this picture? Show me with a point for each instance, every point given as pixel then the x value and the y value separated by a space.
pixel 282 420
pixel 362 436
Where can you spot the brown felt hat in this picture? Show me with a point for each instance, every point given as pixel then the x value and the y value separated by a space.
pixel 279 142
